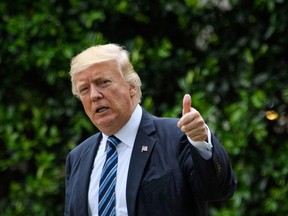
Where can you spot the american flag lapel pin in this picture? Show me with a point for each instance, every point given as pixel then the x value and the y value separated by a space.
pixel 144 149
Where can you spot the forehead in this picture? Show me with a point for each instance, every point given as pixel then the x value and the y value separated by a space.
pixel 98 69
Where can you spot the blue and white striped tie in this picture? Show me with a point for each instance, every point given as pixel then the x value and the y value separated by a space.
pixel 107 198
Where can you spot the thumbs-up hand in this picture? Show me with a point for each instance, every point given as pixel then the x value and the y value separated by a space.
pixel 191 122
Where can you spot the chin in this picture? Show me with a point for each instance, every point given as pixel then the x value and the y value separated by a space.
pixel 105 126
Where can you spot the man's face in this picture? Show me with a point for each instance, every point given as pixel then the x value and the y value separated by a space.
pixel 107 98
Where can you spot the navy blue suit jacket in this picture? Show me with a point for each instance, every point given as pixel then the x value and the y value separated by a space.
pixel 171 178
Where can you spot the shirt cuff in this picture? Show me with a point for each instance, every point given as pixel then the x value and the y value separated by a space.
pixel 204 148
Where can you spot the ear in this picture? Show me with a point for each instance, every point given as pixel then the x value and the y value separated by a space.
pixel 132 90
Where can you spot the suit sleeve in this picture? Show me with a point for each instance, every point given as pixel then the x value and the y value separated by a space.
pixel 67 189
pixel 212 179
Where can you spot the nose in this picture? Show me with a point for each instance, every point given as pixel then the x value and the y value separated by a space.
pixel 95 94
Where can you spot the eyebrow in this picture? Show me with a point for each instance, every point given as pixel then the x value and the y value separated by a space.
pixel 80 84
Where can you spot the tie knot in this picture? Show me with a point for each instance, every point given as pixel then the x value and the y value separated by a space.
pixel 113 141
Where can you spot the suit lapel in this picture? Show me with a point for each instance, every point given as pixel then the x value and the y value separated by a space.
pixel 86 166
pixel 143 146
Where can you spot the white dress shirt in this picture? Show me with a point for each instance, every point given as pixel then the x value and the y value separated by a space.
pixel 127 136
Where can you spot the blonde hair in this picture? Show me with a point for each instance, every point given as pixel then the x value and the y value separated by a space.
pixel 100 53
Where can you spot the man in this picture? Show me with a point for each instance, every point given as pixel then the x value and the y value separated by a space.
pixel 163 166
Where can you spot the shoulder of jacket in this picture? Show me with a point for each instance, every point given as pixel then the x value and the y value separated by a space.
pixel 86 144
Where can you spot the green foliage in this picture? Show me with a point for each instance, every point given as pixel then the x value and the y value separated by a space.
pixel 231 57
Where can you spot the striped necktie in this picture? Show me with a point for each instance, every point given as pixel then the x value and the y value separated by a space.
pixel 107 198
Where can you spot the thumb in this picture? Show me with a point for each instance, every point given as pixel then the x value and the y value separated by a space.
pixel 186 104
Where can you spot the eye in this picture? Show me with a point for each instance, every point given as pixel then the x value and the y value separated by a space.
pixel 83 90
pixel 104 83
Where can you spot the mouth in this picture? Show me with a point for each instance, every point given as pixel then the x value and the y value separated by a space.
pixel 101 109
